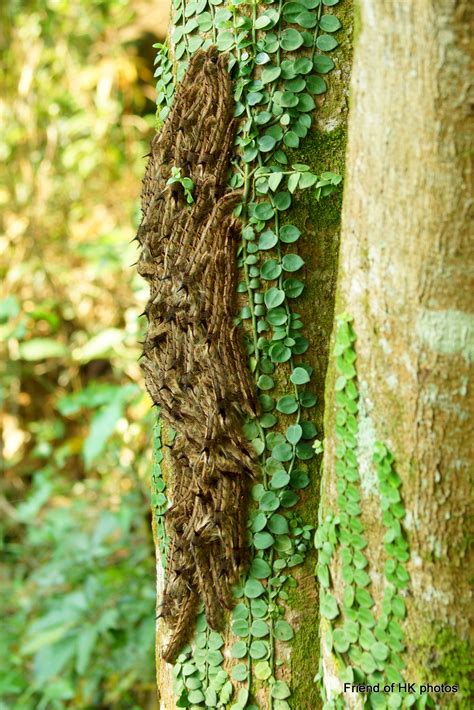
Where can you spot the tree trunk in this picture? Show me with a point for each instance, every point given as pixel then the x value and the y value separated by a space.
pixel 323 149
pixel 406 279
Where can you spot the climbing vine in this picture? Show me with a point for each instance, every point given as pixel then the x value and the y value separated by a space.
pixel 367 648
pixel 278 69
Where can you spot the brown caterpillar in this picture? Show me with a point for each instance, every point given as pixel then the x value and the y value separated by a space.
pixel 193 361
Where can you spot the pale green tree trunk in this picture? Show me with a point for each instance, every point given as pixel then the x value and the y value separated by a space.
pixel 406 277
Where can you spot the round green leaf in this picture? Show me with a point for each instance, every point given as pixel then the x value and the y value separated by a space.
pixel 239 672
pixel 283 630
pixel 238 649
pixel 287 404
pixel 269 74
pixel 292 262
pixel 265 382
pixel 278 524
pixel 253 588
pixel 262 670
pixel 280 690
pixel 282 452
pixel 279 352
pixel 264 211
pixel 270 270
pixel 329 23
pixel 279 479
pixel 263 540
pixel 258 649
pixel 326 43
pixel 282 200
pixel 293 287
pixel 274 297
pixel 294 433
pixel 299 376
pixel 289 233
pixel 290 40
pixel 260 569
pixel 259 628
pixel 267 240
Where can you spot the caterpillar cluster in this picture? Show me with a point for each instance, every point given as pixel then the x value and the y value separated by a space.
pixel 193 360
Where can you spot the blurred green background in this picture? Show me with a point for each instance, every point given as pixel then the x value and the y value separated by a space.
pixel 77 596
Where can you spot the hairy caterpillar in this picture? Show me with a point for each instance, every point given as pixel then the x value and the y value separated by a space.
pixel 193 361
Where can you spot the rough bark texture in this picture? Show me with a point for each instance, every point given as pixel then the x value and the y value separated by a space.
pixel 406 275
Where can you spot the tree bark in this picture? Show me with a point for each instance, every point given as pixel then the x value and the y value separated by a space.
pixel 406 276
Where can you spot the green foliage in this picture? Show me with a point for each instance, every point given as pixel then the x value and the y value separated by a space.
pixel 368 647
pixel 80 606
pixel 77 568
pixel 185 182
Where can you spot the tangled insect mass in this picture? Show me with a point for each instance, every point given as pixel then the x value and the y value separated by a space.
pixel 193 361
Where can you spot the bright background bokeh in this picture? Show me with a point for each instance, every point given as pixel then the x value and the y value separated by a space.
pixel 77 594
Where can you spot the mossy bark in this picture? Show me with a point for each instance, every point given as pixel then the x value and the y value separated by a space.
pixel 405 278
pixel 323 149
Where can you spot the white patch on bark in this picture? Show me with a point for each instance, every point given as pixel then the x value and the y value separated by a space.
pixel 366 438
pixel 447 332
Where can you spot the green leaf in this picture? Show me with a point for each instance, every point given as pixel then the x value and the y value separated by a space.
pixel 293 287
pixel 303 65
pixel 282 452
pixel 279 352
pixel 367 663
pixel 278 524
pixel 269 502
pixel 289 233
pixel 294 433
pixel 291 139
pixel 274 297
pixel 306 19
pixel 238 649
pixel 279 479
pixel 329 23
pixel 259 628
pixel 326 43
pixel 262 670
pixel 283 630
pixel 299 376
pixel 262 22
pixel 287 404
pixel 341 642
pixel 263 540
pixel 323 64
pixel 264 211
pixel 269 74
pixel 274 179
pixel 240 627
pixel 265 382
pixel 266 143
pixel 225 41
pixel 270 270
pixel 260 569
pixel 307 180
pixel 239 672
pixel 280 690
pixel 85 645
pixel 292 262
pixel 290 40
pixel 258 649
pixel 253 588
pixel 328 606
pixel 282 200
